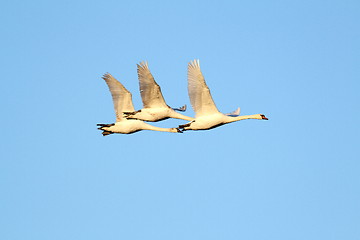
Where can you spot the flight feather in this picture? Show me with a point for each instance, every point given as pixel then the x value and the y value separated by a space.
pixel 122 98
pixel 199 92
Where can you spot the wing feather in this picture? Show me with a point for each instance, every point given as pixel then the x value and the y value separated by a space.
pixel 150 91
pixel 234 113
pixel 122 98
pixel 199 92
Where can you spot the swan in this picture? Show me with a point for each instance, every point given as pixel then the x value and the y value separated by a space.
pixel 122 100
pixel 207 115
pixel 154 106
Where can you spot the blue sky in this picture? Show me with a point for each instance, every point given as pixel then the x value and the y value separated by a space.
pixel 295 176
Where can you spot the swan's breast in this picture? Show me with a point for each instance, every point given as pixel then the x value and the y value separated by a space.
pixel 126 126
pixel 207 122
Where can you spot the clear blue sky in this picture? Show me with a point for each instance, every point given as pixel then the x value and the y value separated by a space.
pixel 294 177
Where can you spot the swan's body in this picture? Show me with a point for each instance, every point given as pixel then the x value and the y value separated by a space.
pixel 207 114
pixel 154 106
pixel 155 114
pixel 122 100
pixel 128 126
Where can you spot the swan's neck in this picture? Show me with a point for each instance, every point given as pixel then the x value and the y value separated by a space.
pixel 180 116
pixel 154 128
pixel 254 116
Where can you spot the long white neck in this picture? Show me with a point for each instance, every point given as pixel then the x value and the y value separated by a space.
pixel 154 128
pixel 254 116
pixel 180 116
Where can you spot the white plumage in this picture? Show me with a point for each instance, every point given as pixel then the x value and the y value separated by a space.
pixel 122 100
pixel 207 114
pixel 154 106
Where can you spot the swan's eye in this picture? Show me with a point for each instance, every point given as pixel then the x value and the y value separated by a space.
pixel 263 117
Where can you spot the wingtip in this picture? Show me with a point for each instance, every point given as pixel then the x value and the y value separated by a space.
pixel 194 63
pixel 234 113
pixel 184 107
pixel 142 67
pixel 142 64
pixel 106 76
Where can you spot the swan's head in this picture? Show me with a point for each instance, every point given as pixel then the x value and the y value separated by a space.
pixel 263 117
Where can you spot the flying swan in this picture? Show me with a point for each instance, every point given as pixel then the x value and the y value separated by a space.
pixel 154 106
pixel 122 100
pixel 207 115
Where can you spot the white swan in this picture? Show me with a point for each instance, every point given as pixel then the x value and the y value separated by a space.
pixel 207 115
pixel 122 100
pixel 154 106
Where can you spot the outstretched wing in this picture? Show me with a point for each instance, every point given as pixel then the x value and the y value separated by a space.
pixel 122 98
pixel 199 92
pixel 150 91
pixel 234 113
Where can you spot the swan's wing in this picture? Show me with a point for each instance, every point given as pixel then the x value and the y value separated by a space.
pixel 234 113
pixel 150 91
pixel 181 109
pixel 199 92
pixel 122 98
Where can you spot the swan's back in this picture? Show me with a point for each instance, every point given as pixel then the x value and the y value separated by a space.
pixel 199 92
